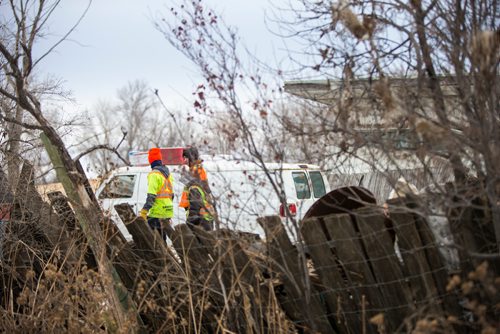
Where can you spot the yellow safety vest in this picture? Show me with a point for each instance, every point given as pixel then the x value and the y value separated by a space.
pixel 161 186
pixel 206 212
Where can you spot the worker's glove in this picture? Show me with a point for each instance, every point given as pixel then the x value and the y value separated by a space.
pixel 143 214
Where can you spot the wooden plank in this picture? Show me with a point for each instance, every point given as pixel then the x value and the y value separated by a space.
pixel 338 300
pixel 30 207
pixel 198 267
pixel 250 299
pixel 302 304
pixel 469 213
pixel 18 260
pixel 238 260
pixel 149 258
pixel 349 250
pixel 149 245
pixel 426 267
pixel 196 259
pixel 438 266
pixel 60 204
pixel 419 275
pixel 217 245
pixel 208 242
pixel 473 230
pixel 463 235
pixel 396 301
pixel 121 255
pixel 256 301
pixel 221 282
pixel 242 275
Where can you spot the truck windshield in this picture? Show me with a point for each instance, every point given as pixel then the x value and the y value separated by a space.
pixel 301 185
pixel 121 186
pixel 317 184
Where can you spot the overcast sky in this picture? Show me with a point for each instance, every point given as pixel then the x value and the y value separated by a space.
pixel 116 43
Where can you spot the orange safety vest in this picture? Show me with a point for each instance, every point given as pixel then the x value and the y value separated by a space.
pixel 198 172
pixel 184 202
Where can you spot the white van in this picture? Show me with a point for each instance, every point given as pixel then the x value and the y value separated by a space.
pixel 242 192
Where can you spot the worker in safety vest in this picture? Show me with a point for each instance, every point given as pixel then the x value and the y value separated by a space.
pixel 159 208
pixel 196 168
pixel 194 200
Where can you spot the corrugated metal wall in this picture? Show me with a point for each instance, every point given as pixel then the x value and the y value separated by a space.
pixel 381 183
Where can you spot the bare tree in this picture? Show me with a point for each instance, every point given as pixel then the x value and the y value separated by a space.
pixel 22 26
pixel 242 113
pixel 138 121
pixel 23 22
pixel 244 95
pixel 404 86
pixel 429 68
pixel 136 110
pixel 13 115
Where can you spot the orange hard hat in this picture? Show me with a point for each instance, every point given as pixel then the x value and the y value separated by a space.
pixel 154 154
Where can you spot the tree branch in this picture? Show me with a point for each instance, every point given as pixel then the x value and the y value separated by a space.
pixel 171 114
pixel 69 32
pixel 25 125
pixel 8 95
pixel 107 148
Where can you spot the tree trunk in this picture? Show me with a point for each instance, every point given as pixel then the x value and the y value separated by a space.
pixel 88 216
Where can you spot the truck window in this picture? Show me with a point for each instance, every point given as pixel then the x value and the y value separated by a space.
pixel 301 185
pixel 121 186
pixel 317 184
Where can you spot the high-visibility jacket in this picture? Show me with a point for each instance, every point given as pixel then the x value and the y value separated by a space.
pixel 198 172
pixel 162 187
pixel 193 199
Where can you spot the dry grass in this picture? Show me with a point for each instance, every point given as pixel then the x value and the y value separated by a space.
pixel 215 284
pixel 41 293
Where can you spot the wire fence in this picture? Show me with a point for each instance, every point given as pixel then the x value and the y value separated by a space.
pixel 368 270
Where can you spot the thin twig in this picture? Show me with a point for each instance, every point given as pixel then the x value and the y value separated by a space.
pixel 171 114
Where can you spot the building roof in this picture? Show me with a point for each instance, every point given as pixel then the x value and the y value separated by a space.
pixel 328 91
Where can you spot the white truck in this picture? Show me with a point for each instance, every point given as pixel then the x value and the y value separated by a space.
pixel 242 191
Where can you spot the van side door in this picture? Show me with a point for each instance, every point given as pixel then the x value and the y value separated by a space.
pixel 309 187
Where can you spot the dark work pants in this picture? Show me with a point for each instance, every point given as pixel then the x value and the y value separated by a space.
pixel 161 225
